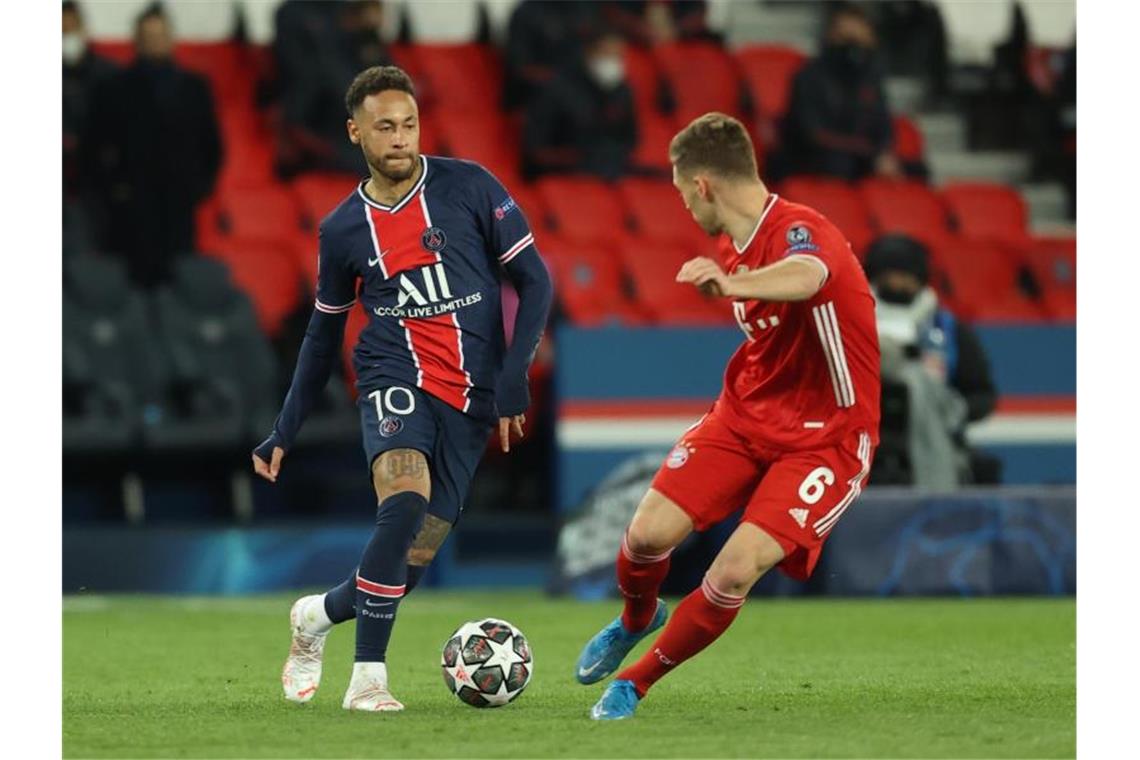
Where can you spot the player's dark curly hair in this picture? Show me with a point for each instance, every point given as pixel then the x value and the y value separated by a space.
pixel 714 142
pixel 374 80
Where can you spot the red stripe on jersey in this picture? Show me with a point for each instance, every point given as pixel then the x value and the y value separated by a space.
pixel 433 341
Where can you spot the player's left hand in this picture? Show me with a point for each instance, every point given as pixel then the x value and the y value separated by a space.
pixel 506 426
pixel 706 274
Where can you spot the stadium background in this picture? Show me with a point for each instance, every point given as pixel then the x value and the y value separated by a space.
pixel 155 501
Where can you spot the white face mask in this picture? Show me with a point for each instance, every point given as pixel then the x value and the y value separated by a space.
pixel 608 72
pixel 74 46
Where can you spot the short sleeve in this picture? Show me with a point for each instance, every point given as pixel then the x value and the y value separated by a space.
pixel 336 284
pixel 506 229
pixel 809 239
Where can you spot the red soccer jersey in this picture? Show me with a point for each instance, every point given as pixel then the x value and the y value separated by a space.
pixel 808 372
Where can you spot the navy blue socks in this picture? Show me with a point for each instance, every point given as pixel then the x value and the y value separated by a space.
pixel 381 579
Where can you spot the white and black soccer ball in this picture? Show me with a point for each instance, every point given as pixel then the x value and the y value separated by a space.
pixel 487 663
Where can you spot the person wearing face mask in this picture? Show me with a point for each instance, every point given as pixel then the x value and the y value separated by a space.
pixel 583 120
pixel 83 73
pixel 156 151
pixel 837 122
pixel 937 364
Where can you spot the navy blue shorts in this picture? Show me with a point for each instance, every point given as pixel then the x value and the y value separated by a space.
pixel 399 416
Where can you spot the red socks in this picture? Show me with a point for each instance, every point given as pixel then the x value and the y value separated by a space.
pixel 698 621
pixel 639 577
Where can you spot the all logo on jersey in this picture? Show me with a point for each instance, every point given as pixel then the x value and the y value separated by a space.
pixel 433 239
pixel 799 240
pixel 426 292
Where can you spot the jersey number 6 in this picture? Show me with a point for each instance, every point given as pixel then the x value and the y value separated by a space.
pixel 811 490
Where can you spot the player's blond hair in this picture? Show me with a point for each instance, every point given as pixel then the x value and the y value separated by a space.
pixel 714 142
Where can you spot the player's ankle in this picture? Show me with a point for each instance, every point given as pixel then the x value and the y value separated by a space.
pixel 370 671
pixel 314 618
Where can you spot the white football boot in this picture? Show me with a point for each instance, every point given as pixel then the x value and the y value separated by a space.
pixel 310 626
pixel 368 690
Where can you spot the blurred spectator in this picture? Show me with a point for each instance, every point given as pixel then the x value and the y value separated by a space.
pixel 583 120
pixel 653 22
pixel 319 47
pixel 541 36
pixel 83 73
pixel 936 365
pixel 155 151
pixel 838 123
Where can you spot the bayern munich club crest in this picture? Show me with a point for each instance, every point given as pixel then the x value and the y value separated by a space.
pixel 678 456
pixel 390 425
pixel 433 239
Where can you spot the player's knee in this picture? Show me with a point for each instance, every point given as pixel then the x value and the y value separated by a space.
pixel 642 537
pixel 420 557
pixel 401 470
pixel 736 575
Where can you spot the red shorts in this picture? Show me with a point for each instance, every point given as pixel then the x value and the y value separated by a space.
pixel 795 497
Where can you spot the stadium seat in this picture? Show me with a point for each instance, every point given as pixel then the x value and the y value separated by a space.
pixel 909 145
pixel 907 207
pixel 486 138
pixel 589 283
pixel 1053 262
pixel 463 78
pixel 318 193
pixel 658 213
pixel 269 274
pixel 836 200
pixel 582 209
pixel 702 78
pixel 767 71
pixel 644 79
pixel 228 66
pixel 987 211
pixel 266 212
pixel 654 269
pixel 981 280
pixel 654 133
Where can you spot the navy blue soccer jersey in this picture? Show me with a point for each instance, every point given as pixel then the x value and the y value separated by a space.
pixel 426 271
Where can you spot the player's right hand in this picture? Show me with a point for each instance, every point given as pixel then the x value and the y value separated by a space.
pixel 269 470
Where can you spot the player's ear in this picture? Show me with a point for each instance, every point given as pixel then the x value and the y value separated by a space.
pixel 704 190
pixel 353 132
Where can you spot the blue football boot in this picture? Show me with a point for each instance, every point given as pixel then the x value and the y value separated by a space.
pixel 604 653
pixel 618 701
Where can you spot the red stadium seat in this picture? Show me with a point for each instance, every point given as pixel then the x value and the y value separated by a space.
pixel 268 275
pixel 980 279
pixel 267 212
pixel 228 66
pixel 768 71
pixel 654 133
pixel 654 270
pixel 702 76
pixel 458 78
pixel 658 213
pixel 987 211
pixel 589 283
pixel 318 193
pixel 644 79
pixel 582 209
pixel 488 139
pixel 1053 262
pixel 906 207
pixel 836 200
pixel 909 145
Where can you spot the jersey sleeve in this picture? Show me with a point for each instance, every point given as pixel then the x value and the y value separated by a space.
pixel 809 239
pixel 336 284
pixel 505 227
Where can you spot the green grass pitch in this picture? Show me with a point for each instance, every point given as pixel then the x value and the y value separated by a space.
pixel 168 677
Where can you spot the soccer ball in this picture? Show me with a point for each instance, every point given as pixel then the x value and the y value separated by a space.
pixel 487 663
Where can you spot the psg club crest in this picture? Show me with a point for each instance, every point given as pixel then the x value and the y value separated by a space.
pixel 433 239
pixel 390 425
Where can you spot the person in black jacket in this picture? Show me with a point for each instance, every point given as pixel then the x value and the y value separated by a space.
pixel 155 152
pixel 838 123
pixel 915 329
pixel 583 121
pixel 83 73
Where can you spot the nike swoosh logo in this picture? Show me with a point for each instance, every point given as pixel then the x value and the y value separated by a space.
pixel 587 671
pixel 375 261
pixel 368 603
